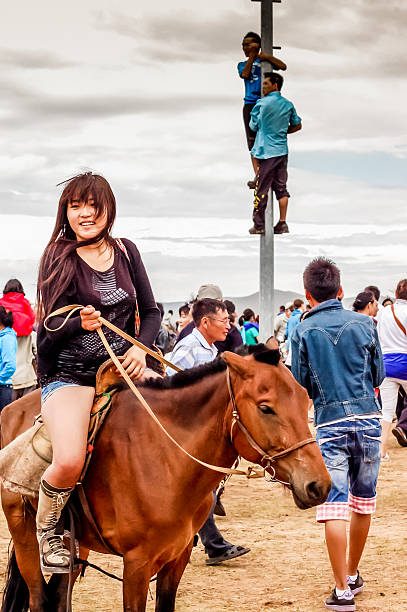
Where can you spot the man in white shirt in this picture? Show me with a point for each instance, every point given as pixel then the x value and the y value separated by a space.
pixel 211 324
pixel 392 330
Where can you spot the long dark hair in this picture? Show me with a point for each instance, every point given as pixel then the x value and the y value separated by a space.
pixel 58 263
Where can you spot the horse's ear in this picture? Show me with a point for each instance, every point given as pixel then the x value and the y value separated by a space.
pixel 238 364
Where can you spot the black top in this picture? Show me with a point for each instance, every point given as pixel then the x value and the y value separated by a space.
pixel 73 354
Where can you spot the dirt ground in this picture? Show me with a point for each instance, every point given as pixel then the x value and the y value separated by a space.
pixel 287 568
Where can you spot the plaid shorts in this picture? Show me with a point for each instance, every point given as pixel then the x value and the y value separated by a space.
pixel 351 452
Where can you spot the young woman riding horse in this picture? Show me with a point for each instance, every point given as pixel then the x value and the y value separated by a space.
pixel 83 264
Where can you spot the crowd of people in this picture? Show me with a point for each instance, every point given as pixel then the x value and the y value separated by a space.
pixel 353 364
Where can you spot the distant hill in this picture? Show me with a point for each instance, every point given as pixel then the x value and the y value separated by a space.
pixel 252 301
pixel 248 301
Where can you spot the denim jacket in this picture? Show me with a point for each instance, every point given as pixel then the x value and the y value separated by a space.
pixel 336 356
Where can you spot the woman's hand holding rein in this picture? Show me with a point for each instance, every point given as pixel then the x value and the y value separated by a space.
pixel 90 318
pixel 135 362
pixel 135 358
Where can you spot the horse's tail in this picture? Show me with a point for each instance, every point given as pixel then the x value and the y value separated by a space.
pixel 15 595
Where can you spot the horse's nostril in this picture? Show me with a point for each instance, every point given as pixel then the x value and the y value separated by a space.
pixel 313 490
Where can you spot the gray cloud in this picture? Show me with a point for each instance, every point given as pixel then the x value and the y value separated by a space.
pixel 37 106
pixel 180 35
pixel 33 59
pixel 366 34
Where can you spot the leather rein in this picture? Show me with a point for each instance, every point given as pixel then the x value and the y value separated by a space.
pixel 267 471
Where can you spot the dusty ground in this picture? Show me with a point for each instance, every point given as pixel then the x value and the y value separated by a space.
pixel 287 568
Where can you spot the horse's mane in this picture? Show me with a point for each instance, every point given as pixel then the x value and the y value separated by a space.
pixel 184 379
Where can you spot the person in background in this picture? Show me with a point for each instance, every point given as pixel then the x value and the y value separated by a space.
pixel 387 302
pixel 211 324
pixel 336 356
pixel 212 292
pixel 280 323
pixel 249 329
pixel 295 318
pixel 233 339
pixel 375 290
pixel 8 352
pixel 282 310
pixel 163 340
pixel 185 317
pixel 392 329
pixel 250 72
pixel 366 304
pixel 24 378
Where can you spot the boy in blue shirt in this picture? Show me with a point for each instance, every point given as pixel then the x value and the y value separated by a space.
pixel 250 71
pixel 273 117
pixel 336 356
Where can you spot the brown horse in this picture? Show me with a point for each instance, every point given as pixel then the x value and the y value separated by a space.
pixel 148 498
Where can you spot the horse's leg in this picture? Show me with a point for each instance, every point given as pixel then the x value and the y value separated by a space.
pixel 21 524
pixel 136 580
pixel 168 579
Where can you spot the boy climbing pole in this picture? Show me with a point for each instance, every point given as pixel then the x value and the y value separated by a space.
pixel 250 71
pixel 273 117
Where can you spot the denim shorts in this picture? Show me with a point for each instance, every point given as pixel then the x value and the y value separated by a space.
pixel 48 390
pixel 351 452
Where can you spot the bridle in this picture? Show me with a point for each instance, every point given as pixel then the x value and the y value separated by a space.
pixel 266 460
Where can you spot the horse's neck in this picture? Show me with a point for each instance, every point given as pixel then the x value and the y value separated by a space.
pixel 202 411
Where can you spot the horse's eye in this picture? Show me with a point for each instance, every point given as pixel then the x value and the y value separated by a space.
pixel 266 409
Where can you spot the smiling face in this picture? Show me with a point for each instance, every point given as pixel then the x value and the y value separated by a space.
pixel 215 326
pixel 83 219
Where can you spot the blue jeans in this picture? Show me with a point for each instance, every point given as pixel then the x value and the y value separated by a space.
pixel 47 391
pixel 351 452
pixel 6 392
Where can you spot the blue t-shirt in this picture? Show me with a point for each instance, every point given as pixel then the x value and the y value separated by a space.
pixel 271 118
pixel 252 85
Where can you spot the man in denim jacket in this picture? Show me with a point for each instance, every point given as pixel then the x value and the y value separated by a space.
pixel 336 356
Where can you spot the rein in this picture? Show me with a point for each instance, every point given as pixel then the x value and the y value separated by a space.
pixel 251 471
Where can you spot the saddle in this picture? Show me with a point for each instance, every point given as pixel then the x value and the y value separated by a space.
pixel 25 459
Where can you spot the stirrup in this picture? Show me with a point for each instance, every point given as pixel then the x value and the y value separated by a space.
pixel 48 568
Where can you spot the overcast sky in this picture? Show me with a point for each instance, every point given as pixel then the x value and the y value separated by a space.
pixel 148 95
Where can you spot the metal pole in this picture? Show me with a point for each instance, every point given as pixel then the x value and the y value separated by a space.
pixel 267 306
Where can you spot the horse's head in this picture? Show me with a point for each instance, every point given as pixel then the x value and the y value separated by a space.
pixel 273 408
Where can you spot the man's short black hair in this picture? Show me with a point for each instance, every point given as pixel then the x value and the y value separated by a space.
pixel 322 279
pixel 230 307
pixel 274 77
pixel 205 307
pixel 374 290
pixel 253 35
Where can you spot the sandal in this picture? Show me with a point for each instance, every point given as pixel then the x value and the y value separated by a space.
pixel 230 553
